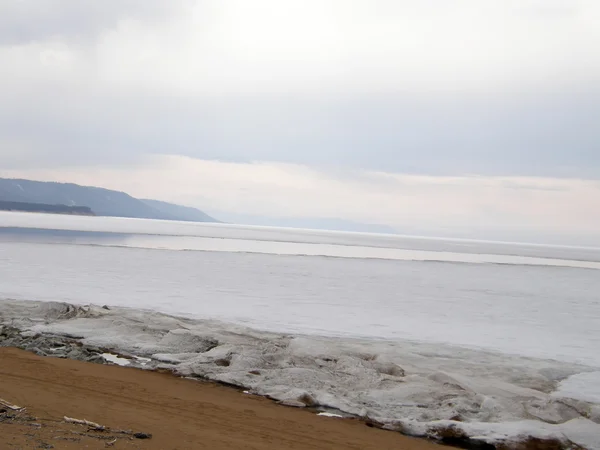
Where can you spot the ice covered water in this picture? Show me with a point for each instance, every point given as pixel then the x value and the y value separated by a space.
pixel 538 310
pixel 385 325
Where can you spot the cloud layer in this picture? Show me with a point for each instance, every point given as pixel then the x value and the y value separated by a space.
pixel 453 89
pixel 436 87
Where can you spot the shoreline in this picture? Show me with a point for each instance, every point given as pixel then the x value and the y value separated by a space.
pixel 176 412
pixel 285 370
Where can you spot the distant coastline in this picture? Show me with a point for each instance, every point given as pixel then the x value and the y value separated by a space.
pixel 49 197
pixel 45 208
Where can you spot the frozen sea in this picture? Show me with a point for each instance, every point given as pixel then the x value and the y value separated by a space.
pixel 474 312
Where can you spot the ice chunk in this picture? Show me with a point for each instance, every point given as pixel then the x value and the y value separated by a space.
pixel 326 414
pixel 581 386
pixel 115 359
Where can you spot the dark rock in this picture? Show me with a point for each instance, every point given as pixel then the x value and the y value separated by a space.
pixel 97 359
pixel 223 362
pixel 307 399
pixel 454 436
pixel 142 436
pixel 532 443
pixel 450 432
pixel 372 423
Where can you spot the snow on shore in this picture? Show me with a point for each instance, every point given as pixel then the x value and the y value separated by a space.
pixel 420 389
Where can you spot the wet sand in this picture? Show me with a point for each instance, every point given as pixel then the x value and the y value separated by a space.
pixel 179 413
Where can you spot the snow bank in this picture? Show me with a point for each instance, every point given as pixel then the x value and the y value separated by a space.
pixel 420 389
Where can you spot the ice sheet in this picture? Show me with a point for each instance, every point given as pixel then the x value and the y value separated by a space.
pixel 329 241
pixel 544 312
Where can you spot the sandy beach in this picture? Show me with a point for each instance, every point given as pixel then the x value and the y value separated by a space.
pixel 178 413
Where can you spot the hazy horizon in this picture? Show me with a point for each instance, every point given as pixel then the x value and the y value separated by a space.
pixel 464 117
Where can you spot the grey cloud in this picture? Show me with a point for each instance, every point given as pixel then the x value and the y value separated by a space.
pixel 23 21
pixel 87 123
pixel 541 136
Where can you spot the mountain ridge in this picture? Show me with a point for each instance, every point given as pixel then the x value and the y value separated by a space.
pixel 102 201
pixel 185 213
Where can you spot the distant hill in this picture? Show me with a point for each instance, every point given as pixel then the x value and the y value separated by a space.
pixel 103 202
pixel 184 213
pixel 308 223
pixel 38 207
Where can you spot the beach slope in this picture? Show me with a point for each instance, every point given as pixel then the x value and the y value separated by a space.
pixel 178 413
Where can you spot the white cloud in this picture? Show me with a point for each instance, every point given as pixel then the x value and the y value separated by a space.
pixel 212 47
pixel 363 45
pixel 432 86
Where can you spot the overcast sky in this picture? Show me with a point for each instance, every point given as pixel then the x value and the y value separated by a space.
pixel 461 112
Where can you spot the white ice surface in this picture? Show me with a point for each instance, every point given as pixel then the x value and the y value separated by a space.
pixel 115 359
pixel 143 233
pixel 417 387
pixel 581 386
pixel 536 311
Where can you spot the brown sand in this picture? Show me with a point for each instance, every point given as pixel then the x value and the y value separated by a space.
pixel 180 414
